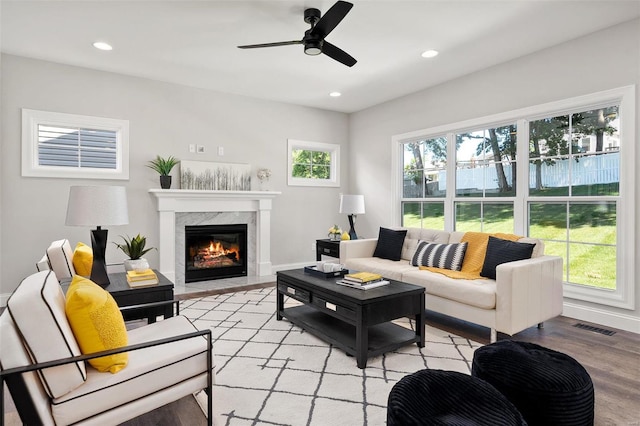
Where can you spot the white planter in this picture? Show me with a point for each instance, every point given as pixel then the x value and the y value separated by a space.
pixel 136 264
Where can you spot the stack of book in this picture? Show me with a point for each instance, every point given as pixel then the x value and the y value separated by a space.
pixel 363 280
pixel 142 278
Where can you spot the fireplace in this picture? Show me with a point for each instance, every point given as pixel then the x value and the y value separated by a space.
pixel 215 251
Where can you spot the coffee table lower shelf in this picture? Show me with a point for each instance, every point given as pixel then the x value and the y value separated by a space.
pixel 383 337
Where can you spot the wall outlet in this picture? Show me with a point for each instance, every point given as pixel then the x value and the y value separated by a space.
pixel 192 148
pixel 221 151
pixel 200 149
pixel 313 246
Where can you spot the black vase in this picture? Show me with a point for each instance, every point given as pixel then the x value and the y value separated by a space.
pixel 165 182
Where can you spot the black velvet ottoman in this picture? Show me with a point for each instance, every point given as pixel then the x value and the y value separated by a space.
pixel 547 387
pixel 437 397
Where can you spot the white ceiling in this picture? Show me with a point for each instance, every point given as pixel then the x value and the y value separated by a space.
pixel 194 42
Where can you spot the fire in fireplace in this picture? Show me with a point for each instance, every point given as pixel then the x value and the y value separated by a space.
pixel 215 251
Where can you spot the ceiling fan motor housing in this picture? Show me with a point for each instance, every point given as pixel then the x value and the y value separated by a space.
pixel 311 16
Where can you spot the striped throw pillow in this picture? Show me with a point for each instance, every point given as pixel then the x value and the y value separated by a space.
pixel 446 256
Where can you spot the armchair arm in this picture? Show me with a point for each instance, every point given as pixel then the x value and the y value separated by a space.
pixel 351 249
pixel 86 357
pixel 528 292
pixel 124 309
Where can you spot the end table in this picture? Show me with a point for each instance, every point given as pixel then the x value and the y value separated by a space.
pixel 328 248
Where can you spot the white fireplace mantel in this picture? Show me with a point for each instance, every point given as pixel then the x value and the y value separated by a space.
pixel 172 201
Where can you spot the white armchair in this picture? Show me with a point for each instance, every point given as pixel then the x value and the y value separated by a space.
pixel 52 384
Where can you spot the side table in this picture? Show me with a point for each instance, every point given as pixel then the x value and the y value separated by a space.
pixel 328 248
pixel 127 296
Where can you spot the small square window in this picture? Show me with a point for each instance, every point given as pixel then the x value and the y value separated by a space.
pixel 313 164
pixel 74 146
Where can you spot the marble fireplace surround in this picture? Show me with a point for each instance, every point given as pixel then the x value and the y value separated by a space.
pixel 180 207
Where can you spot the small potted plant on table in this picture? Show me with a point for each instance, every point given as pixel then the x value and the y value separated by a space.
pixel 164 167
pixel 135 249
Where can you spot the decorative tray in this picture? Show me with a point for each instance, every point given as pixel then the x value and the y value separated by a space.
pixel 333 274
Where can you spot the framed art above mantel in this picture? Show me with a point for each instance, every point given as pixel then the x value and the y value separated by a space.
pixel 205 175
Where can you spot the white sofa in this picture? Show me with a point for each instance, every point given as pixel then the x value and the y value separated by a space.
pixel 524 293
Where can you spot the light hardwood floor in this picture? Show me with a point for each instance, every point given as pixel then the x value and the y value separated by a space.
pixel 613 362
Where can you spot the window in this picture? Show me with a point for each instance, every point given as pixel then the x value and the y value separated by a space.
pixel 74 146
pixel 575 160
pixel 424 178
pixel 562 172
pixel 313 164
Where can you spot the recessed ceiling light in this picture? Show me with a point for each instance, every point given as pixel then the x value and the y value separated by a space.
pixel 102 45
pixel 430 53
pixel 335 94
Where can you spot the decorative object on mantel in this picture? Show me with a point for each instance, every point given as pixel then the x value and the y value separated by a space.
pixel 263 175
pixel 97 206
pixel 335 233
pixel 352 205
pixel 164 167
pixel 215 176
pixel 135 249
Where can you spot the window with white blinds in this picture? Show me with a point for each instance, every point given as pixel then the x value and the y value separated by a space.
pixel 69 145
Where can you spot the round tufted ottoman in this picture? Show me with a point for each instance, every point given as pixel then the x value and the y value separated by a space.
pixel 547 387
pixel 437 397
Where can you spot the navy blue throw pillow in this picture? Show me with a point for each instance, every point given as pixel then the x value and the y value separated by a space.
pixel 501 251
pixel 390 243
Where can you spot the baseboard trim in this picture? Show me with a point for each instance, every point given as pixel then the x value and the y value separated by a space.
pixel 602 317
pixel 288 266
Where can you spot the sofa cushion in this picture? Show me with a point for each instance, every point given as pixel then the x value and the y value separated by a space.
pixel 149 370
pixel 501 251
pixel 480 292
pixel 83 259
pixel 415 235
pixel 390 243
pixel 97 323
pixel 447 256
pixel 37 309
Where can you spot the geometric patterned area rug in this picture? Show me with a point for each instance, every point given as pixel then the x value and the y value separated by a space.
pixel 271 372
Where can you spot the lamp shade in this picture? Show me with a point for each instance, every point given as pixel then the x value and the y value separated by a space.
pixel 97 206
pixel 352 204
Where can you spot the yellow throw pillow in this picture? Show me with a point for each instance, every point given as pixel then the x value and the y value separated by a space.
pixel 83 259
pixel 97 323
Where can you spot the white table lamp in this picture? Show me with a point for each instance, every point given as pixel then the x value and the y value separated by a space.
pixel 352 205
pixel 97 206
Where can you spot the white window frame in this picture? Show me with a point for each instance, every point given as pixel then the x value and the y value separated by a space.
pixel 332 149
pixel 624 294
pixel 31 119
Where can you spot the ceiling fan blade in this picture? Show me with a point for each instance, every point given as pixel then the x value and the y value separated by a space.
pixel 331 18
pixel 280 43
pixel 338 54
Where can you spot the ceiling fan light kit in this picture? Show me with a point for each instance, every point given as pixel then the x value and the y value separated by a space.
pixel 314 38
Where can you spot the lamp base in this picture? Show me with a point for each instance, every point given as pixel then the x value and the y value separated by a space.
pixel 99 267
pixel 352 230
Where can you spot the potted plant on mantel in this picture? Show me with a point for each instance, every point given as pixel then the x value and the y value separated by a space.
pixel 163 166
pixel 135 249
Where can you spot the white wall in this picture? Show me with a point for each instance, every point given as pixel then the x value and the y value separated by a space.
pixel 164 119
pixel 600 61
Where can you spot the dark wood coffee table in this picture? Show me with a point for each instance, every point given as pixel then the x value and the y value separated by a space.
pixel 356 321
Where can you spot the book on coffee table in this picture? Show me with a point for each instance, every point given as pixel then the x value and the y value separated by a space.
pixel 362 277
pixel 366 286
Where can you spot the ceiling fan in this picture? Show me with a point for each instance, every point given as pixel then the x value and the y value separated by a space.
pixel 314 38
